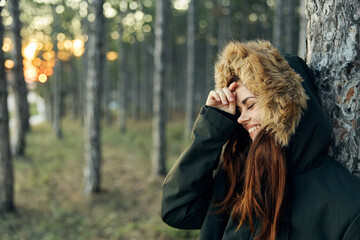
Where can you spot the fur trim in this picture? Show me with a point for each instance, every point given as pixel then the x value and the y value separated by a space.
pixel 266 73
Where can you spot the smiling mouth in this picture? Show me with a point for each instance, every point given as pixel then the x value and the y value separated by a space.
pixel 252 129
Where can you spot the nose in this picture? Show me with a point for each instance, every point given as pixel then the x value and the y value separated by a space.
pixel 244 117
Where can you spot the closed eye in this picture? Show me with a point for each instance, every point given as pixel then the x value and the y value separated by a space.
pixel 251 106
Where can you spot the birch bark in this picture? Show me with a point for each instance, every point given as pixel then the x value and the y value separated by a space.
pixel 22 114
pixel 93 102
pixel 159 109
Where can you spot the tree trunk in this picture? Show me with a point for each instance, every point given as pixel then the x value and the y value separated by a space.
pixel 93 101
pixel 289 25
pixel 84 77
pixel 137 81
pixel 210 49
pixel 105 84
pixel 302 31
pixel 190 73
pixel 19 85
pixel 159 107
pixel 244 25
pixel 75 87
pixel 278 28
pixel 6 169
pixel 106 91
pixel 333 53
pixel 122 89
pixel 57 99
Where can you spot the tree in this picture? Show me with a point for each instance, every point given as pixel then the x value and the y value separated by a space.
pixel 209 46
pixel 190 73
pixel 57 99
pixel 333 53
pixel 302 30
pixel 159 110
pixel 6 169
pixel 19 85
pixel 122 83
pixel 57 80
pixel 93 100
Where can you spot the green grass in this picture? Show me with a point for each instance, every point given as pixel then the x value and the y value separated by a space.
pixel 49 184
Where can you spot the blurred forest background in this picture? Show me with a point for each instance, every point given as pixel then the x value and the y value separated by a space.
pixel 100 97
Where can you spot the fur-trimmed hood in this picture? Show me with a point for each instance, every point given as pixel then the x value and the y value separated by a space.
pixel 265 72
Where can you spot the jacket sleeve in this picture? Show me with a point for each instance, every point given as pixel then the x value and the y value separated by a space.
pixel 353 231
pixel 187 188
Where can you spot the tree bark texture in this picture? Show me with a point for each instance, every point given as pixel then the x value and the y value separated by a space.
pixel 333 52
pixel 190 72
pixel 93 101
pixel 22 114
pixel 159 106
pixel 6 169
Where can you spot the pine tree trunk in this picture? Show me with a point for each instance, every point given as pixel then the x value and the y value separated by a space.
pixel 57 99
pixel 19 85
pixel 333 53
pixel 106 91
pixel 122 90
pixel 48 100
pixel 210 49
pixel 6 169
pixel 137 81
pixel 289 27
pixel 93 101
pixel 75 90
pixel 302 31
pixel 84 77
pixel 244 25
pixel 190 72
pixel 159 107
pixel 278 28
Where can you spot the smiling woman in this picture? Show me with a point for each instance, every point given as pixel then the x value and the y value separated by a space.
pixel 274 179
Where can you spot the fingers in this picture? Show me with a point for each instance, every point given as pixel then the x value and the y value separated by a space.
pixel 229 94
pixel 233 86
pixel 223 97
pixel 215 95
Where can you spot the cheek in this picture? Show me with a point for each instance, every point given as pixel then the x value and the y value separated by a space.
pixel 256 115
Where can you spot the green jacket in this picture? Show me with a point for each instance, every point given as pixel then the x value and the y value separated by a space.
pixel 323 198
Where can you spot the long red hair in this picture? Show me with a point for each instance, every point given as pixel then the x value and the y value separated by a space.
pixel 257 175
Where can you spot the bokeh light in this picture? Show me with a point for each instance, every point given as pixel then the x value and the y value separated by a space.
pixel 30 50
pixel 9 64
pixel 7 45
pixel 42 78
pixel 111 56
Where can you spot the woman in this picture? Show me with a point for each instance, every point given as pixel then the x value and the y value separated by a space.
pixel 275 179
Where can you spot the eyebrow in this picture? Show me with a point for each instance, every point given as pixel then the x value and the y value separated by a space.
pixel 245 100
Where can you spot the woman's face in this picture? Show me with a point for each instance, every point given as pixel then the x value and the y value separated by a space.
pixel 248 109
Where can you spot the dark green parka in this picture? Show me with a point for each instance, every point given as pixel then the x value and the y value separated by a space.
pixel 323 198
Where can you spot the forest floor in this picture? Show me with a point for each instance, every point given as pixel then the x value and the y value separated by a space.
pixel 49 183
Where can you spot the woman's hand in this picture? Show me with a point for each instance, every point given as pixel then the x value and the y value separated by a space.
pixel 223 99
